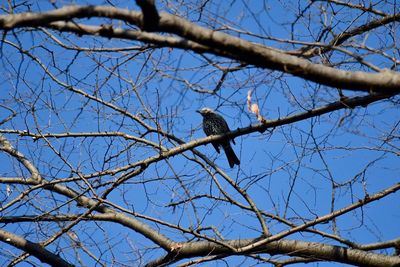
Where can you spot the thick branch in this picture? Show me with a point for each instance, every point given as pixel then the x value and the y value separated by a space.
pixel 227 45
pixel 311 250
pixel 30 19
pixel 34 249
pixel 266 57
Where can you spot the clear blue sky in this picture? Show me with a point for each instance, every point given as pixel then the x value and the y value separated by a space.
pixel 281 170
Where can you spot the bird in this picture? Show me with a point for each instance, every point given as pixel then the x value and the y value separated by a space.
pixel 214 124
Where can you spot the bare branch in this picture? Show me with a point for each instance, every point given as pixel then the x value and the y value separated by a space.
pixel 229 46
pixel 8 148
pixel 32 248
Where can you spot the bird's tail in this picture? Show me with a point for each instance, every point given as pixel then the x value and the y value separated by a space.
pixel 230 154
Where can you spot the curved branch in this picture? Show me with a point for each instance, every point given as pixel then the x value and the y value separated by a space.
pixel 8 148
pixel 276 245
pixel 34 249
pixel 311 250
pixel 227 45
pixel 261 127
pixel 110 32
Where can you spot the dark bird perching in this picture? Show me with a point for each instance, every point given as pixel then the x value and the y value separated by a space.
pixel 214 124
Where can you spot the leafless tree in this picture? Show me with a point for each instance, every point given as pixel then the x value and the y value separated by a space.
pixel 103 161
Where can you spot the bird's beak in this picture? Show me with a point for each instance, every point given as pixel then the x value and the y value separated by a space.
pixel 198 111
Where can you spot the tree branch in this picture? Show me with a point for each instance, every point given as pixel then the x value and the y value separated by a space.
pixel 34 249
pixel 7 147
pixel 311 250
pixel 226 45
pixel 261 127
